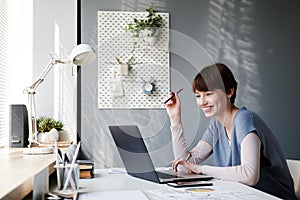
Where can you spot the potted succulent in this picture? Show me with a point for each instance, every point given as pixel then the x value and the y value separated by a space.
pixel 48 129
pixel 148 28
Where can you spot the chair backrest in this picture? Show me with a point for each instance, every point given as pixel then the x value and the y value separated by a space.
pixel 294 167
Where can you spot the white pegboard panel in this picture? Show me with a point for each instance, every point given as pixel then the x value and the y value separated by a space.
pixel 151 63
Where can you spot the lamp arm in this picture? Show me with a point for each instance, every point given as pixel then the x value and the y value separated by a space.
pixel 81 54
pixel 42 76
pixel 30 90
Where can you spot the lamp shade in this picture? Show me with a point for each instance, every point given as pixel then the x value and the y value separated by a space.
pixel 82 54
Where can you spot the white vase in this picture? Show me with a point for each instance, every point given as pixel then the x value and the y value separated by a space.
pixel 63 136
pixel 50 136
pixel 151 35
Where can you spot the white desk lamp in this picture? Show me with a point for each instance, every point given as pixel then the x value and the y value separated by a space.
pixel 81 54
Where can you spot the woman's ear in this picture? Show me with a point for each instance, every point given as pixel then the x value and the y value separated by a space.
pixel 230 92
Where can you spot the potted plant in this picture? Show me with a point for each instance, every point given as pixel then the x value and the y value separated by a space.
pixel 125 67
pixel 148 28
pixel 48 129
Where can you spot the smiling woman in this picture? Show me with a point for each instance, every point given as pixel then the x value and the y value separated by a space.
pixel 244 148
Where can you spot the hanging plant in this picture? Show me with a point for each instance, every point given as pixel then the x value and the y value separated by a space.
pixel 151 23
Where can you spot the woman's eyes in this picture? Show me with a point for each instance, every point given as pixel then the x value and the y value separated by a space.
pixel 205 94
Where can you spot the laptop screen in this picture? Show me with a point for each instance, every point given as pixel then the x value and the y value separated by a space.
pixel 133 152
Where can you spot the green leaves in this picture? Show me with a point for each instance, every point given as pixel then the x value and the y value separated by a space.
pixel 150 11
pixel 45 124
pixel 151 22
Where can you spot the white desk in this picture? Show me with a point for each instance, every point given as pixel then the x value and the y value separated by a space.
pixel 21 173
pixel 112 186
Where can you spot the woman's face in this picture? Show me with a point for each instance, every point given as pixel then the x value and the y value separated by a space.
pixel 213 103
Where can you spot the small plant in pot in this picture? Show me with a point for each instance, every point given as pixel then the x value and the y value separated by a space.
pixel 148 27
pixel 48 129
pixel 125 67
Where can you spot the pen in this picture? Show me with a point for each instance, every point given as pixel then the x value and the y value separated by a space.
pixel 171 97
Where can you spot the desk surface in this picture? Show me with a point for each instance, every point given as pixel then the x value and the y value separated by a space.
pixel 17 169
pixel 111 186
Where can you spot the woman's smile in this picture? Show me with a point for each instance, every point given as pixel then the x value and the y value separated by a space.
pixel 207 109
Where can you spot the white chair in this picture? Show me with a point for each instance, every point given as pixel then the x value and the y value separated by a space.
pixel 294 167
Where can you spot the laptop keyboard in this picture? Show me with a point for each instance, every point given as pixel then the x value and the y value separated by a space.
pixel 166 176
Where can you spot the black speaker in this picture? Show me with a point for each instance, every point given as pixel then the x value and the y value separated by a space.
pixel 18 125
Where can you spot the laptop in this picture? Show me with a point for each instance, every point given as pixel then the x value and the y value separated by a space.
pixel 137 160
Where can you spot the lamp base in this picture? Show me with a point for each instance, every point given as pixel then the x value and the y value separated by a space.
pixel 38 150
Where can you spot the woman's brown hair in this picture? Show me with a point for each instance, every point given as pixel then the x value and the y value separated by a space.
pixel 216 76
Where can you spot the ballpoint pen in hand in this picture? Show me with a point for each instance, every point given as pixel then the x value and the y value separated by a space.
pixel 171 97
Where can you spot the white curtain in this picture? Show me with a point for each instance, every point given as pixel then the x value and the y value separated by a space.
pixel 3 72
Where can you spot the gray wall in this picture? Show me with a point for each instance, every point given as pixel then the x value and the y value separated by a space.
pixel 54 31
pixel 259 40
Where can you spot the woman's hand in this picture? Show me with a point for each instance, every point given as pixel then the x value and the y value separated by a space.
pixel 173 109
pixel 192 168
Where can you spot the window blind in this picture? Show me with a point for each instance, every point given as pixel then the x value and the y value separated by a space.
pixel 4 117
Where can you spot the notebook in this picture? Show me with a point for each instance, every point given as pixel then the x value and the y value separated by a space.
pixel 137 160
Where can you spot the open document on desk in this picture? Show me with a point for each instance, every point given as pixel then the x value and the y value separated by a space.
pixel 171 194
pixel 203 193
pixel 114 195
pixel 120 186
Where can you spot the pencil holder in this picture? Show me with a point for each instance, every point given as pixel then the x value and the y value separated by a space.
pixel 67 178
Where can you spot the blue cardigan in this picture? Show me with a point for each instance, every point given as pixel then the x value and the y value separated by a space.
pixel 275 177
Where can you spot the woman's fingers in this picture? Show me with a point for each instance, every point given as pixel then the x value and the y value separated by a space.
pixel 192 168
pixel 170 99
pixel 174 164
pixel 177 162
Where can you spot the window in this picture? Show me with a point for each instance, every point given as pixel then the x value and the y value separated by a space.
pixel 3 72
pixel 16 58
pixel 21 26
